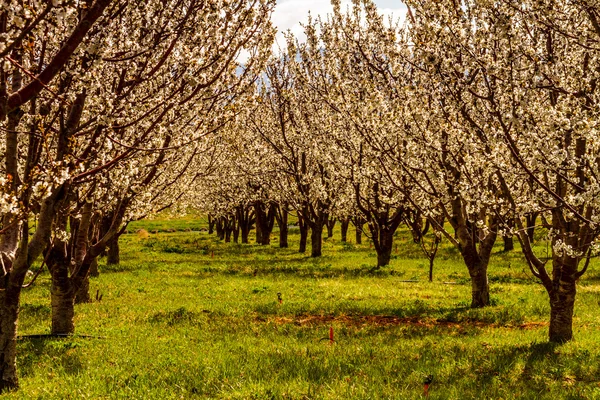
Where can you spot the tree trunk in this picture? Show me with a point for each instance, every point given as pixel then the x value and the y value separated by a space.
pixel 62 299
pixel 480 290
pixel 9 313
pixel 236 230
pixel 265 220
pixel 316 236
pixel 344 228
pixel 211 225
pixel 509 243
pixel 303 234
pixel 282 223
pixel 358 224
pixel 219 228
pixel 431 259
pixel 94 268
pixel 245 229
pixel 531 220
pixel 83 293
pixel 384 242
pixel 330 225
pixel 561 314
pixel 113 256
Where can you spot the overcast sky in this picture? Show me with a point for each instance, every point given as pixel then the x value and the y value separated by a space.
pixel 289 13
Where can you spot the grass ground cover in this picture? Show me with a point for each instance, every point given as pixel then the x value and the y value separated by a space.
pixel 187 316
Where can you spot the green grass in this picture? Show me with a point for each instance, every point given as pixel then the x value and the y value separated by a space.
pixel 187 316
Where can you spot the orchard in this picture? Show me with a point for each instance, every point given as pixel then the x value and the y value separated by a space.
pixel 176 146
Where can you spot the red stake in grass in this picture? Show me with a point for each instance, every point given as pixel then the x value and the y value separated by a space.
pixel 331 335
pixel 212 254
pixel 426 383
pixel 279 299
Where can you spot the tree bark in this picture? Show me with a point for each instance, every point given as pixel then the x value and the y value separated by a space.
pixel 113 256
pixel 303 234
pixel 265 220
pixel 509 243
pixel 561 312
pixel 62 295
pixel 83 293
pixel 330 225
pixel 316 240
pixel 480 290
pixel 344 229
pixel 94 268
pixel 9 314
pixel 384 242
pixel 358 224
pixel 282 222
pixel 219 228
pixel 211 224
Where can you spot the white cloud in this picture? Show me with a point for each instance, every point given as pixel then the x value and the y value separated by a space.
pixel 289 14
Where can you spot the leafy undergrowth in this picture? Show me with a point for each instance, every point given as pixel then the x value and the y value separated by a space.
pixel 187 316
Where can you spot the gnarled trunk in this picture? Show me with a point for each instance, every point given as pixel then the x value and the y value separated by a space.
pixel 561 312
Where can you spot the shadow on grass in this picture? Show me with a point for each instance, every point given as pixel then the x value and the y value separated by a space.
pixel 62 351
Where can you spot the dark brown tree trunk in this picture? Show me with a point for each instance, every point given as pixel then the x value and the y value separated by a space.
pixel 509 243
pixel 480 290
pixel 562 294
pixel 94 268
pixel 303 234
pixel 330 225
pixel 282 222
pixel 83 293
pixel 228 232
pixel 384 242
pixel 316 239
pixel 61 294
pixel 211 224
pixel 220 229
pixel 358 224
pixel 265 220
pixel 9 313
pixel 561 314
pixel 245 232
pixel 236 230
pixel 431 260
pixel 113 256
pixel 531 220
pixel 344 229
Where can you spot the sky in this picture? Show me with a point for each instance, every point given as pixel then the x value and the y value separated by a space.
pixel 290 13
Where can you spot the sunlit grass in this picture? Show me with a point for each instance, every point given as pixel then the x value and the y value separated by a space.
pixel 187 316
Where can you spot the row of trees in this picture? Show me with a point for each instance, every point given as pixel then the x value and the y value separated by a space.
pixel 473 120
pixel 105 106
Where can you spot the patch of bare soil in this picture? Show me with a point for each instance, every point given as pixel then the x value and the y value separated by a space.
pixel 389 320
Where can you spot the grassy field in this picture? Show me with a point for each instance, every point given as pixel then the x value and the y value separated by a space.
pixel 187 316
